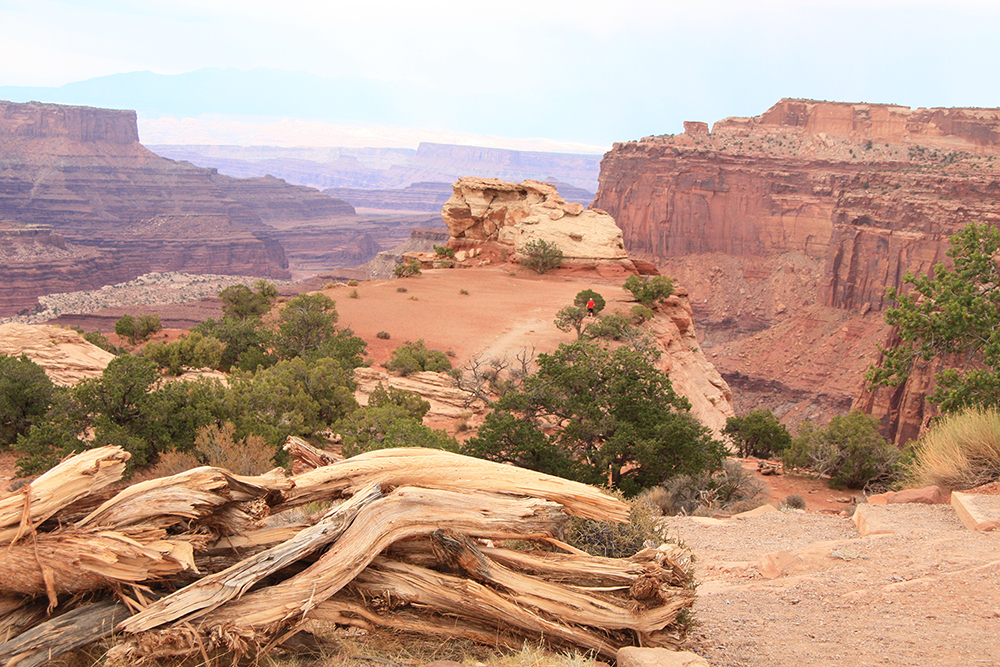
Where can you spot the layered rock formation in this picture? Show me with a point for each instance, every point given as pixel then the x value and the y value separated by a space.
pixel 513 214
pixel 64 354
pixel 83 204
pixel 804 214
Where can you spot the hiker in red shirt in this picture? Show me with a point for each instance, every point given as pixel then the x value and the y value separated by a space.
pixel 590 307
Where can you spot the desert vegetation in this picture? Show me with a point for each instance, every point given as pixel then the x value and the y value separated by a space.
pixel 849 450
pixel 540 255
pixel 960 451
pixel 954 314
pixel 598 415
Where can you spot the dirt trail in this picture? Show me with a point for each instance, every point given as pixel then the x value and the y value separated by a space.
pixel 925 595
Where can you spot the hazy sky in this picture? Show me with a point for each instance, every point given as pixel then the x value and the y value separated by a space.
pixel 581 71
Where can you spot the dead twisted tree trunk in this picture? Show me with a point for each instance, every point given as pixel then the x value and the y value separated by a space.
pixel 407 544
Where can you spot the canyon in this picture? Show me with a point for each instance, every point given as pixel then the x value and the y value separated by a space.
pixel 83 204
pixel 786 229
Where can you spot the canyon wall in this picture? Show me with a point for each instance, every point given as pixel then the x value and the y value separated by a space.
pixel 84 204
pixel 788 227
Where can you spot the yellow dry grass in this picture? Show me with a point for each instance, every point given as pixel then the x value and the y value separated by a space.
pixel 961 451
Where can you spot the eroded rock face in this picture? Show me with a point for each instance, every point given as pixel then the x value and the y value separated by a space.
pixel 84 204
pixel 488 209
pixel 63 353
pixel 828 203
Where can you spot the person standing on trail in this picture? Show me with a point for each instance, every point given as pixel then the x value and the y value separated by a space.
pixel 590 307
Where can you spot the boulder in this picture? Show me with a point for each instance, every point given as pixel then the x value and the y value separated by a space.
pixel 633 656
pixel 977 512
pixel 929 495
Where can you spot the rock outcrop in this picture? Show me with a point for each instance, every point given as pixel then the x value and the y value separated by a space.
pixel 810 207
pixel 84 204
pixel 513 214
pixel 63 353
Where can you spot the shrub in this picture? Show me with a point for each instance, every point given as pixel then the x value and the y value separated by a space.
pixel 795 501
pixel 463 291
pixel 173 462
pixel 960 451
pixel 540 256
pixel 242 456
pixel 407 269
pixel 384 335
pixel 413 357
pixel 192 351
pixel 305 323
pixel 444 251
pixel 352 283
pixel 138 329
pixel 240 302
pixel 648 291
pixel 618 540
pixel 758 434
pixel 25 395
pixel 729 489
pixel 328 286
pixel 613 326
pixel 849 450
pixel 401 289
pixel 353 294
pixel 641 314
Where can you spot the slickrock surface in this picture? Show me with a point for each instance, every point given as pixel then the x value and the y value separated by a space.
pixel 64 355
pixel 799 216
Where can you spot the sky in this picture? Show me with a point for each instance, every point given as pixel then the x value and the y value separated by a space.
pixel 538 74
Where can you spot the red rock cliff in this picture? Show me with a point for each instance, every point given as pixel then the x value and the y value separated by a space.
pixel 803 214
pixel 119 211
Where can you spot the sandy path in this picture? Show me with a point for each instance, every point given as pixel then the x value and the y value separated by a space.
pixel 927 595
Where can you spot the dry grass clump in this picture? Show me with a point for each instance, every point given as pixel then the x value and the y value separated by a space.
pixel 399 649
pixel 961 451
pixel 619 540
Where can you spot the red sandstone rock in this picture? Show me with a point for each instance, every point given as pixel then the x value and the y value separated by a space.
pixel 929 495
pixel 83 204
pixel 809 210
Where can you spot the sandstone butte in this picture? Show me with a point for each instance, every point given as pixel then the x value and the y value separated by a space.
pixel 83 204
pixel 787 228
pixel 514 214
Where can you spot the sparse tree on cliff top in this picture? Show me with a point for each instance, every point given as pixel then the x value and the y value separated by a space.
pixel 598 415
pixel 648 291
pixel 951 312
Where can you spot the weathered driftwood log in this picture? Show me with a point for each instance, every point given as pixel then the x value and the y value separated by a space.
pixel 215 590
pixel 330 567
pixel 192 494
pixel 72 630
pixel 437 469
pixel 74 478
pixel 477 605
pixel 404 513
pixel 17 614
pixel 78 561
pixel 309 456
